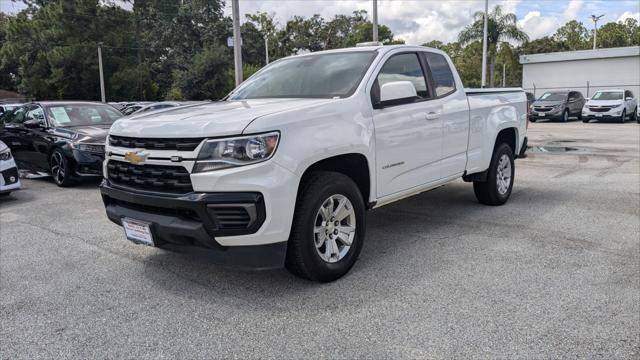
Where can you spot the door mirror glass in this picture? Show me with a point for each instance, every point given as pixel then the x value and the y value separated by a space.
pixel 629 98
pixel 397 92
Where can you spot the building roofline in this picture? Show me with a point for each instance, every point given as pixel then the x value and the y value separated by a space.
pixel 630 51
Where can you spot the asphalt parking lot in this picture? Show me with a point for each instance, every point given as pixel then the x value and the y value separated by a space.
pixel 554 273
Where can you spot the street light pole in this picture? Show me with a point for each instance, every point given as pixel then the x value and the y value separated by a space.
pixel 237 41
pixel 104 99
pixel 484 43
pixel 266 49
pixel 375 20
pixel 595 28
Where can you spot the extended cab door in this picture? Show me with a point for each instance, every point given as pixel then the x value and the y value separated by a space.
pixel 451 101
pixel 408 135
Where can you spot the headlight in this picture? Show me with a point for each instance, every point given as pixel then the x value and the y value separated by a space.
pixel 94 148
pixel 238 151
pixel 5 154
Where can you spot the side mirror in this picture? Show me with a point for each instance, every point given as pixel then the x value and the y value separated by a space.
pixel 397 92
pixel 628 98
pixel 32 124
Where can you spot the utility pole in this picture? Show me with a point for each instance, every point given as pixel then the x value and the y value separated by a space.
pixel 595 28
pixel 375 20
pixel 266 49
pixel 104 99
pixel 484 43
pixel 237 41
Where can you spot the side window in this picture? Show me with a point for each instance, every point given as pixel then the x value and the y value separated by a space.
pixel 35 113
pixel 402 67
pixel 18 116
pixel 443 81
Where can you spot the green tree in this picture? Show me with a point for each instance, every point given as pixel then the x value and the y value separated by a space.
pixel 574 35
pixel 501 27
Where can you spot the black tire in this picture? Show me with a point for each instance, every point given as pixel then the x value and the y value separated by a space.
pixel 302 258
pixel 634 116
pixel 5 194
pixel 532 120
pixel 487 191
pixel 60 169
pixel 586 121
pixel 623 117
pixel 565 116
pixel 580 115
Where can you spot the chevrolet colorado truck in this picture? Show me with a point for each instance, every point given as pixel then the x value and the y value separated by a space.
pixel 282 171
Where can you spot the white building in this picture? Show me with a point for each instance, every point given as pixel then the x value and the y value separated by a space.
pixel 586 70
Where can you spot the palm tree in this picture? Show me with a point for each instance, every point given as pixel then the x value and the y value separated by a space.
pixel 501 27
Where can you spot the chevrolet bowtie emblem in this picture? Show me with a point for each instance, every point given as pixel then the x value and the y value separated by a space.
pixel 135 157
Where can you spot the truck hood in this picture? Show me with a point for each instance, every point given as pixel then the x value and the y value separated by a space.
pixel 604 103
pixel 207 120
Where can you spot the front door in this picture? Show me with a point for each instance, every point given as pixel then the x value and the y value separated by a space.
pixel 408 136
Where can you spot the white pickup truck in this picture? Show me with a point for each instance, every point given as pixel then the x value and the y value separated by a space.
pixel 282 171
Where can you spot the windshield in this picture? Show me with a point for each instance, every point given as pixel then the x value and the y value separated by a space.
pixel 312 76
pixel 549 96
pixel 608 95
pixel 82 114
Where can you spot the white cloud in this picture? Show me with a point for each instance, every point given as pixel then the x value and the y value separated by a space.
pixel 537 25
pixel 629 15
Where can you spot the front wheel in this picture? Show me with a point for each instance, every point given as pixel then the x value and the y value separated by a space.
pixel 328 227
pixel 623 116
pixel 496 189
pixel 634 116
pixel 60 169
pixel 565 116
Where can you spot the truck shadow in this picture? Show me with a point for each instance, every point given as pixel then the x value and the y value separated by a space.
pixel 407 242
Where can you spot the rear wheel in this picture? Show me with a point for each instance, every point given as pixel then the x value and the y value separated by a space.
pixel 328 227
pixel 496 189
pixel 60 169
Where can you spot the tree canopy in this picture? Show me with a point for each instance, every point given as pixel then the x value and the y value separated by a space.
pixel 159 49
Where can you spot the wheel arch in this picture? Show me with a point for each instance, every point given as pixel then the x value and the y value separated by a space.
pixel 353 165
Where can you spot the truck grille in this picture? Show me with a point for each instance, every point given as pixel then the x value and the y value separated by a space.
pixel 599 108
pixel 155 144
pixel 158 178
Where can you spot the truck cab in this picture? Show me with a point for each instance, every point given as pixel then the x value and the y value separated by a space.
pixel 282 171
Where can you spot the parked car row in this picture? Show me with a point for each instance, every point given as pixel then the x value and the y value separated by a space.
pixel 64 139
pixel 613 104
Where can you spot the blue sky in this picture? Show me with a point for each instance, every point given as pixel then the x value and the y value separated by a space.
pixel 419 21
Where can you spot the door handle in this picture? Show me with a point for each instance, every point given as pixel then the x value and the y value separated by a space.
pixel 433 115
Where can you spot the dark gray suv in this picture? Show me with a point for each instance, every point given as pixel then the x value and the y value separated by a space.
pixel 558 105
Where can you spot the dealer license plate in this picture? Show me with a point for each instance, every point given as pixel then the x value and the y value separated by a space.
pixel 138 231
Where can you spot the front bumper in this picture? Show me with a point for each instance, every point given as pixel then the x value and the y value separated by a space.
pixel 9 178
pixel 191 223
pixel 553 115
pixel 87 164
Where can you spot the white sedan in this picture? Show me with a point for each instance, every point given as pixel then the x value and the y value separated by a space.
pixel 9 179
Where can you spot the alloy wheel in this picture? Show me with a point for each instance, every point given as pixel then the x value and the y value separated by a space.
pixel 504 174
pixel 57 167
pixel 334 228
